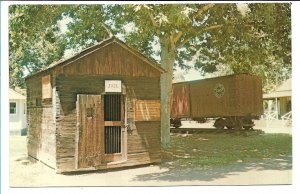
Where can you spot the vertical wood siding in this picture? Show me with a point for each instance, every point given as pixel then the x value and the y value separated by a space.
pixel 109 60
pixel 90 126
pixel 85 74
pixel 249 91
pixel 143 142
pixel 147 110
pixel 204 102
pixel 41 124
pixel 180 101
pixel 242 95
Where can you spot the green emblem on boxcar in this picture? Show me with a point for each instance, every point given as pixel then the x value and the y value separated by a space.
pixel 219 90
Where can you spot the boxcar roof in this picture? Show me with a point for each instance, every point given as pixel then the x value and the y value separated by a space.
pixel 212 78
pixel 91 49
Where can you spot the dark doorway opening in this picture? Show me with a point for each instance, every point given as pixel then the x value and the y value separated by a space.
pixel 112 113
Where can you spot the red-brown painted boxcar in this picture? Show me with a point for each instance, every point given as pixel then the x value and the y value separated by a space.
pixel 233 100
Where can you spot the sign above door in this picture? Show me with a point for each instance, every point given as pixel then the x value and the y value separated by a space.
pixel 113 86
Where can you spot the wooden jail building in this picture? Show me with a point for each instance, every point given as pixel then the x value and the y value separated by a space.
pixel 99 109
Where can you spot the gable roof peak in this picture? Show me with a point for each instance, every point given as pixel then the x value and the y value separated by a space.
pixel 95 47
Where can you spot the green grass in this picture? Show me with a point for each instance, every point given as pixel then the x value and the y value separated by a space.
pixel 207 150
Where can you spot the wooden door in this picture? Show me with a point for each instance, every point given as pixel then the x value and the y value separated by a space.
pixel 90 125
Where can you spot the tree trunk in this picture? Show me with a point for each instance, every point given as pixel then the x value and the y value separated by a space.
pixel 167 62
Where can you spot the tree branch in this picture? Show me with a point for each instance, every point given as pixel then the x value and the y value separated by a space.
pixel 212 27
pixel 256 35
pixel 108 30
pixel 152 20
pixel 185 41
pixel 201 30
pixel 204 9
pixel 179 34
pixel 172 40
pixel 28 69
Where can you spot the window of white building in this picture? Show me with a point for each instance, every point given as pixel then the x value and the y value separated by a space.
pixel 12 108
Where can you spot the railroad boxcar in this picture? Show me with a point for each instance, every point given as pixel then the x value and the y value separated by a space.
pixel 234 101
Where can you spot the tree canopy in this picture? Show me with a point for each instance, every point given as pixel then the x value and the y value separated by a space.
pixel 211 35
pixel 255 40
pixel 240 38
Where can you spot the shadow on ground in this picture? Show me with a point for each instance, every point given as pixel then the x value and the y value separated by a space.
pixel 212 173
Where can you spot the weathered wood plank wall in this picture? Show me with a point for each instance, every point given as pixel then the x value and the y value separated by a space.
pixel 112 59
pixel 147 110
pixel 41 124
pixel 145 137
pixel 52 130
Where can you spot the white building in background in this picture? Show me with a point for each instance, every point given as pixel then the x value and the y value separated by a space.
pixel 17 112
pixel 277 116
pixel 279 102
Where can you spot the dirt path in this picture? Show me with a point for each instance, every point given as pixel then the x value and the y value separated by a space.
pixel 25 173
pixel 149 176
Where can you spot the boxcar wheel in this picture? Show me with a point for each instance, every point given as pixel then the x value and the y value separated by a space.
pixel 175 123
pixel 248 123
pixel 219 123
pixel 238 124
pixel 247 127
pixel 177 126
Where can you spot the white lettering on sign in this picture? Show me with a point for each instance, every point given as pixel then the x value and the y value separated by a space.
pixel 113 86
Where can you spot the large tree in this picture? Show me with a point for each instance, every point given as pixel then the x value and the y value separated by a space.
pixel 36 38
pixel 253 39
pixel 33 40
pixel 247 40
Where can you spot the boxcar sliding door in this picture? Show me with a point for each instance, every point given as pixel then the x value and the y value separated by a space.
pixel 90 126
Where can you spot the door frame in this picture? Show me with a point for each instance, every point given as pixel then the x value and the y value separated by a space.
pixel 123 153
pixel 123 131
